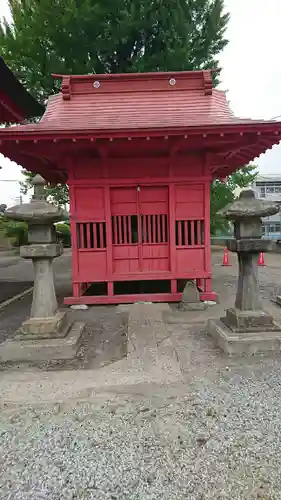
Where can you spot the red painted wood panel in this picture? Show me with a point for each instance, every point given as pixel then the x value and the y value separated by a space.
pixel 89 203
pixel 153 200
pixel 155 258
pixel 189 201
pixel 129 168
pixel 191 259
pixel 186 166
pixel 125 259
pixel 91 266
pixel 88 168
pixel 139 231
pixel 123 201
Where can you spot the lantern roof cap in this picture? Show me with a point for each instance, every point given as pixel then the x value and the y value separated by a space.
pixel 38 180
pixel 247 206
pixel 38 210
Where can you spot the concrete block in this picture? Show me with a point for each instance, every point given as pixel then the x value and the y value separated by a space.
pixel 192 306
pixel 244 343
pixel 44 349
pixel 42 328
pixel 41 233
pixel 41 250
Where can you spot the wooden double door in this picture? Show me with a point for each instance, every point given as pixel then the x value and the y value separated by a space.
pixel 140 230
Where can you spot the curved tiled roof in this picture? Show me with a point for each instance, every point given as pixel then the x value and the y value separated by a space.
pixel 123 106
pixel 136 110
pixel 105 107
pixel 16 104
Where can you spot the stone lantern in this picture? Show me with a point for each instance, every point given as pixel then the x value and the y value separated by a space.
pixel 247 327
pixel 47 334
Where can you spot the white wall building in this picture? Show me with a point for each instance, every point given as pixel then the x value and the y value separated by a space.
pixel 269 187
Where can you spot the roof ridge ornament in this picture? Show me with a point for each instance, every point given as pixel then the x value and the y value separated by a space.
pixel 66 88
pixel 208 81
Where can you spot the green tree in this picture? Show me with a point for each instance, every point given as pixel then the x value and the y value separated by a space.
pixel 223 193
pixel 105 36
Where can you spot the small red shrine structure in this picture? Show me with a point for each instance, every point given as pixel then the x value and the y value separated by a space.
pixel 138 152
pixel 16 104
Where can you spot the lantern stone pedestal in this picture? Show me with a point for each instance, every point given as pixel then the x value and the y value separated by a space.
pixel 48 334
pixel 247 328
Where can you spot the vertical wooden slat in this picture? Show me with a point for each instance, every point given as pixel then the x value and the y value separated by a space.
pixel 81 233
pixel 158 225
pixel 171 226
pixel 149 228
pixel 145 229
pixel 109 234
pixel 125 230
pixel 73 226
pixel 192 222
pixel 201 232
pixel 129 229
pixel 101 230
pixel 119 228
pixel 110 288
pixel 95 239
pixel 77 229
pixel 207 233
pixel 185 225
pixel 179 230
pixel 163 227
pixel 88 235
pixel 154 228
pixel 114 227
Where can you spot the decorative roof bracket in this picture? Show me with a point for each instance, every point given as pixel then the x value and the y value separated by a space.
pixel 66 88
pixel 208 82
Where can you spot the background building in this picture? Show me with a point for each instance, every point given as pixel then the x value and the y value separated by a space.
pixel 269 187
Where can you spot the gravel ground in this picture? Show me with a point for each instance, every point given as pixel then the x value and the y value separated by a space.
pixel 217 436
pixel 218 441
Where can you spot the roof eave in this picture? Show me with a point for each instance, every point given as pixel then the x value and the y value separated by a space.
pixel 9 84
pixel 37 132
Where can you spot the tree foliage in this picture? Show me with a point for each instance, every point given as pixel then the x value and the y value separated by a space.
pixel 223 193
pixel 105 36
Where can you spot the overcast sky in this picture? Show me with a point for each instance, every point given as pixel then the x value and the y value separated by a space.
pixel 251 73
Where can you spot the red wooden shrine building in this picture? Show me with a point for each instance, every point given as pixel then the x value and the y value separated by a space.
pixel 138 152
pixel 16 104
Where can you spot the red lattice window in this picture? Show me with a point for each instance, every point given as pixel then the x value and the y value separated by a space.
pixel 154 228
pixel 124 229
pixel 189 232
pixel 91 235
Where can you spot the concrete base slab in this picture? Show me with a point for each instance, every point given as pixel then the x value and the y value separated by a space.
pixel 44 328
pixel 16 350
pixel 249 321
pixel 150 346
pixel 243 343
pixel 195 306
